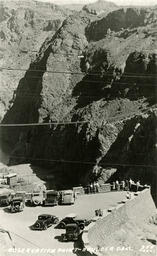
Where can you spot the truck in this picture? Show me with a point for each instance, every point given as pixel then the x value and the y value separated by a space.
pixel 67 197
pixel 50 198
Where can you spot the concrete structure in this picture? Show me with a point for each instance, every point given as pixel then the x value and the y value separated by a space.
pixel 104 188
pixel 11 179
pixel 78 190
pixel 6 242
pixel 133 212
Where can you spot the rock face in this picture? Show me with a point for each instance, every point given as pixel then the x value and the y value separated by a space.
pixel 119 20
pixel 107 80
pixel 24 26
pixel 100 7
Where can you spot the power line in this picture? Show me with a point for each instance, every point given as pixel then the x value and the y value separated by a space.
pixel 82 162
pixel 79 52
pixel 67 97
pixel 79 55
pixel 78 73
pixel 58 123
pixel 103 82
pixel 76 122
pixel 43 124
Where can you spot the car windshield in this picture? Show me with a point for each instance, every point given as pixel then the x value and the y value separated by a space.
pixel 16 202
pixel 68 220
pixel 4 197
pixel 71 228
pixel 42 217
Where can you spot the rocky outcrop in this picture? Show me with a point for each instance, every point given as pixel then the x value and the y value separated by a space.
pixel 24 27
pixel 100 7
pixel 119 20
pixel 108 84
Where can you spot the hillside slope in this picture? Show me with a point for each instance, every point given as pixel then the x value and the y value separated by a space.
pixel 112 88
pixel 100 7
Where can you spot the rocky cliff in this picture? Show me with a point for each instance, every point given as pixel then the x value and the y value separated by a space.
pixel 24 26
pixel 100 7
pixel 103 74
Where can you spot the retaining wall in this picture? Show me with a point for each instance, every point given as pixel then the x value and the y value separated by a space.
pixel 138 209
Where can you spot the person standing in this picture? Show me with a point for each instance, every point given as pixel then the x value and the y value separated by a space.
pixel 91 188
pixel 97 187
pixel 130 184
pixel 94 187
pixel 137 185
pixel 113 186
pixel 117 185
pixel 129 195
pixel 123 185
pixel 127 185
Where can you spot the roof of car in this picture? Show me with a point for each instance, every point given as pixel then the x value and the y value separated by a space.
pixel 44 214
pixel 17 199
pixel 5 191
pixel 71 225
pixel 71 215
pixel 67 191
pixel 51 192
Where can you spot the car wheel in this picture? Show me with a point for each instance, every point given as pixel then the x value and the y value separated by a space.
pixel 63 238
pixel 62 225
pixel 56 221
pixel 81 226
pixel 44 227
pixel 36 202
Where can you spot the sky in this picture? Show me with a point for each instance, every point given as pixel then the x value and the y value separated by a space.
pixel 118 2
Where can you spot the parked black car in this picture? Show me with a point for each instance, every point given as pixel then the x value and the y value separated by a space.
pixel 17 204
pixel 71 219
pixel 44 221
pixel 72 233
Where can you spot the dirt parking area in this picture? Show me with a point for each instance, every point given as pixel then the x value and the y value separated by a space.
pixel 47 242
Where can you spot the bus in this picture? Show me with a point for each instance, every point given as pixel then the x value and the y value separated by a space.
pixel 67 197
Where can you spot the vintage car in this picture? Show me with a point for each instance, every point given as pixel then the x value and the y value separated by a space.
pixel 37 198
pixel 44 221
pixel 50 198
pixel 66 197
pixel 71 219
pixel 5 196
pixel 17 204
pixel 72 232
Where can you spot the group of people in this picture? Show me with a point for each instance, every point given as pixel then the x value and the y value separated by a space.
pixel 93 187
pixel 126 185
